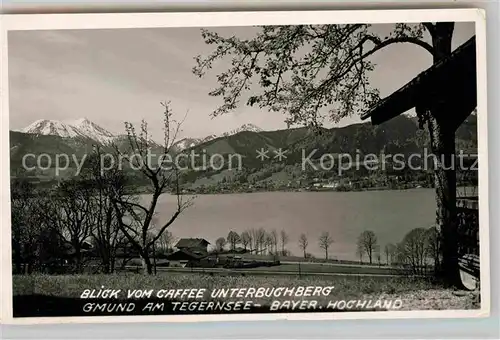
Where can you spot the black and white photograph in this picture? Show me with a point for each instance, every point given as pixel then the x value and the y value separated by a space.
pixel 245 166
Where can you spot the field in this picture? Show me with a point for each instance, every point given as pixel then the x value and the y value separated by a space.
pixel 59 295
pixel 294 269
pixel 288 265
pixel 317 268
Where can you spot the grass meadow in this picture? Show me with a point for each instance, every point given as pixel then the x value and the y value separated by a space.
pixel 72 286
pixel 50 292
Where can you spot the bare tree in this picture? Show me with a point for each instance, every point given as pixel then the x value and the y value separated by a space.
pixel 219 244
pixel 246 239
pixel 233 239
pixel 106 184
pixel 360 251
pixel 284 241
pixel 367 242
pixel 31 233
pixel 254 235
pixel 412 250
pixel 69 210
pixel 166 241
pixel 308 72
pixel 433 248
pixel 303 243
pixel 135 219
pixel 268 241
pixel 274 237
pixel 325 240
pixel 389 251
pixel 378 255
pixel 72 207
pixel 260 240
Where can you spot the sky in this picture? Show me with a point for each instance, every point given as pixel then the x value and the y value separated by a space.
pixel 116 75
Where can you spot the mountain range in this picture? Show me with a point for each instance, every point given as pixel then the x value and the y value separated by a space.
pixel 84 128
pixel 399 135
pixel 187 143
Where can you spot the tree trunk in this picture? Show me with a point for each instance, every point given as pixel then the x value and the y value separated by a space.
pixel 443 147
pixel 154 258
pixel 147 266
pixel 442 132
pixel 112 263
pixel 107 267
pixel 78 257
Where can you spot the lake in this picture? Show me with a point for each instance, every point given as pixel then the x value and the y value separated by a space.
pixel 390 214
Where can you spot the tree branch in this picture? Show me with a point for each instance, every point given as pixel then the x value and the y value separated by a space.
pixel 379 44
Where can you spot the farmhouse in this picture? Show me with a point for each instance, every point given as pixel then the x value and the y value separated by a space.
pixel 184 256
pixel 68 251
pixel 190 250
pixel 193 244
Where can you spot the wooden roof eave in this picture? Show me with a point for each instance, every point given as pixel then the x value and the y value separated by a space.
pixel 453 80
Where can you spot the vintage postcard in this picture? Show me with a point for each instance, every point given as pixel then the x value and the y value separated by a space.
pixel 244 166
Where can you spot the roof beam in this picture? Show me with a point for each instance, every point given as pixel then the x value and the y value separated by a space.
pixel 451 81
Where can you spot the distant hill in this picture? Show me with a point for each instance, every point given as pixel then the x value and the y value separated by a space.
pixel 187 143
pixel 399 135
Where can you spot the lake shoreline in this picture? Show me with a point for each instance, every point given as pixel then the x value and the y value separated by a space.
pixel 146 192
pixel 390 214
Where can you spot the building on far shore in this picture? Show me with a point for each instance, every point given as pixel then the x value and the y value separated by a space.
pixel 190 250
pixel 193 245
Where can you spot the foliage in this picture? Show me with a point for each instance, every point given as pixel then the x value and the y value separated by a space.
pixel 303 71
pixel 308 72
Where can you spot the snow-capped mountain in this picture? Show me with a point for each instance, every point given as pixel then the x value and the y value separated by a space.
pixel 85 128
pixel 187 143
pixel 245 127
pixel 82 127
pixel 92 130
